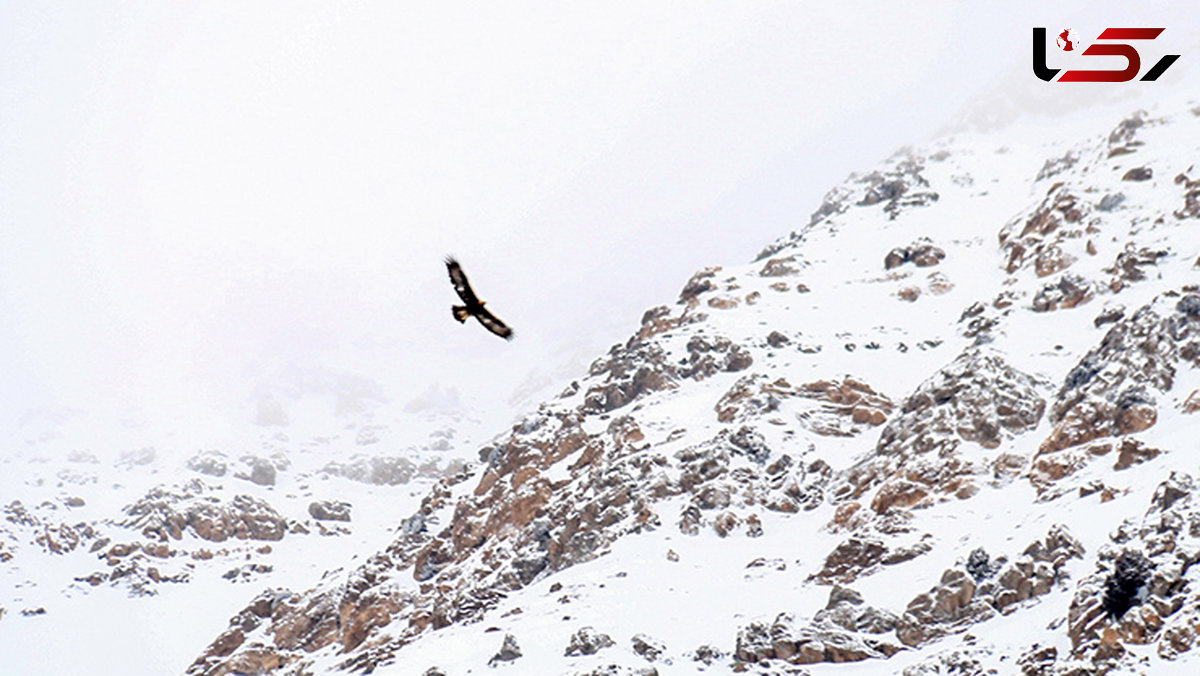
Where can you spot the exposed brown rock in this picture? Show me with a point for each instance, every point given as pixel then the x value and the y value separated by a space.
pixel 629 371
pixel 750 395
pixel 977 398
pixel 700 282
pixel 1138 174
pixel 1040 237
pixel 780 267
pixel 847 407
pixel 961 600
pixel 660 319
pixel 1109 392
pixel 1051 259
pixel 1069 291
pixel 165 513
pixel 1191 198
pixel 1192 403
pixel 588 641
pixel 920 253
pixel 329 510
pixel 851 559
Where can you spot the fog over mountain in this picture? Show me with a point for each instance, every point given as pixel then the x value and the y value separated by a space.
pixel 195 195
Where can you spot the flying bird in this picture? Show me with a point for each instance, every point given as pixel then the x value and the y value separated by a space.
pixel 473 307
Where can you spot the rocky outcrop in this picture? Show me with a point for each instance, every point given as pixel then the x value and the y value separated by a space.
pixel 1138 174
pixel 662 318
pixel 898 186
pixel 976 593
pixel 1191 197
pixel 140 566
pixel 921 253
pixel 752 396
pixel 1110 392
pixel 709 355
pixel 626 373
pixel 1139 594
pixel 978 398
pixel 166 514
pixel 700 282
pixel 377 470
pixel 846 630
pixel 258 470
pixel 1041 239
pixel 647 647
pixel 588 641
pixel 714 421
pixel 547 497
pixel 211 463
pixel 1049 471
pixel 786 266
pixel 1131 265
pixel 508 652
pixel 1069 291
pixel 329 510
pixel 843 408
pixel 847 407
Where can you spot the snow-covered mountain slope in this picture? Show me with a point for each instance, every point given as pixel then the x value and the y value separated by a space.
pixel 122 547
pixel 947 427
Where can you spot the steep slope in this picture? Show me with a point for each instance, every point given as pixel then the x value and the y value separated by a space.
pixel 948 424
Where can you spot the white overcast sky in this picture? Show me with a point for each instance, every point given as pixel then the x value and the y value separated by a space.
pixel 193 194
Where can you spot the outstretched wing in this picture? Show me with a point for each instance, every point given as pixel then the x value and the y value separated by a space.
pixel 491 323
pixel 461 286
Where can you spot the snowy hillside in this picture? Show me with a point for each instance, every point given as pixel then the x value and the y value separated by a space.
pixel 122 546
pixel 946 427
pixel 949 424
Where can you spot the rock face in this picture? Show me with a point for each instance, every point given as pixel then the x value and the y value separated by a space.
pixel 647 647
pixel 849 630
pixel 628 372
pixel 1110 391
pixel 1138 596
pixel 967 596
pixel 846 630
pixel 978 398
pixel 259 471
pixel 1044 237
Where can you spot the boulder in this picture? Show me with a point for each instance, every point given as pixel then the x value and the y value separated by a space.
pixel 329 510
pixel 509 651
pixel 587 641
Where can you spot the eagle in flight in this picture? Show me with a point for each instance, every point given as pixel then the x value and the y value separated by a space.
pixel 473 307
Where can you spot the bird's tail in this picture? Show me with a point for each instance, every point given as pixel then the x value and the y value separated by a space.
pixel 460 313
